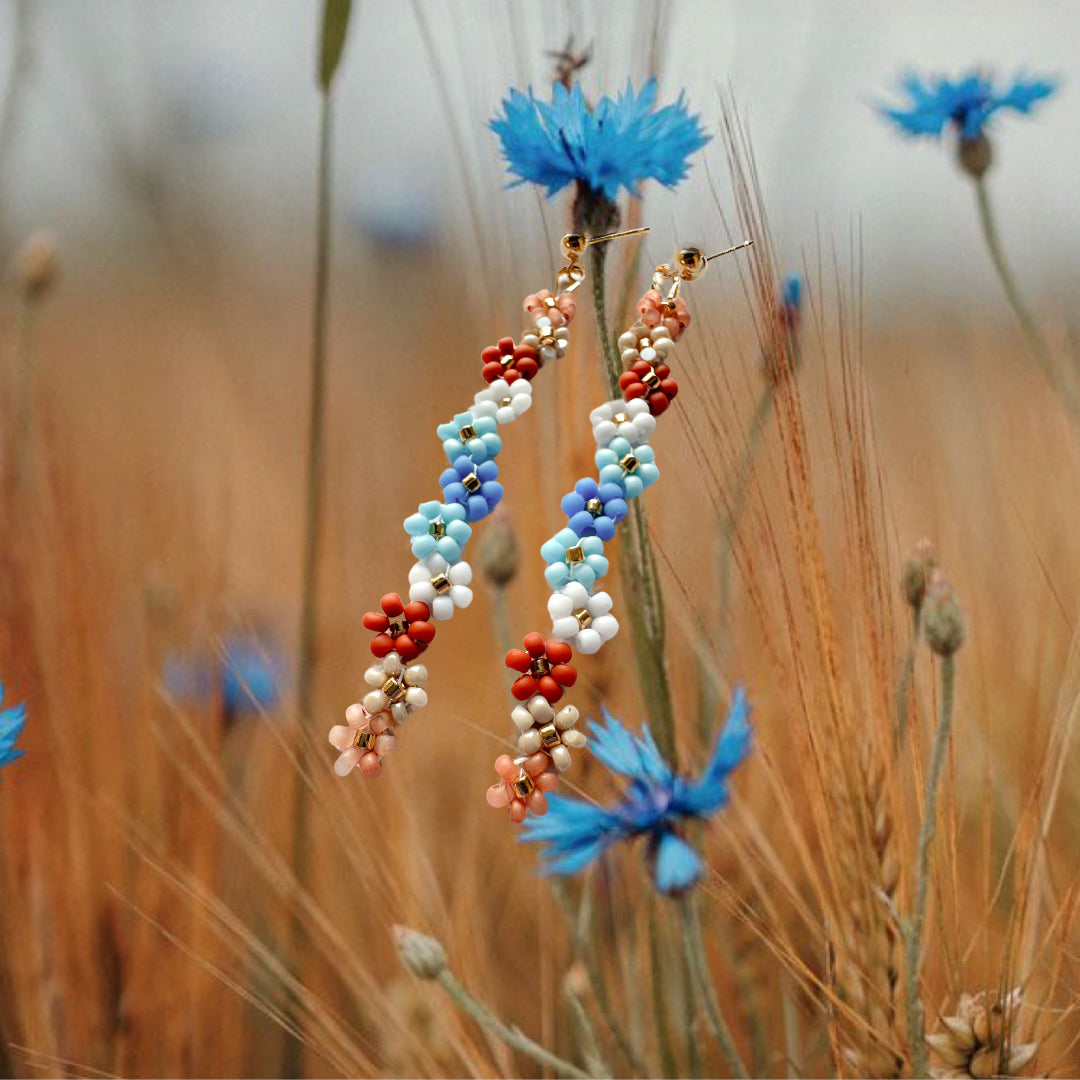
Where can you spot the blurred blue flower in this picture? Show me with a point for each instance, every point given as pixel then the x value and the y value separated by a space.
pixel 11 725
pixel 247 677
pixel 656 803
pixel 610 145
pixel 791 294
pixel 967 103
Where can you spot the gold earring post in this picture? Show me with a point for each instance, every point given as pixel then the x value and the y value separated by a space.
pixel 728 251
pixel 573 246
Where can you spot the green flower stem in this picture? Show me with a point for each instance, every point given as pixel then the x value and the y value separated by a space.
pixel 694 944
pixel 1065 390
pixel 903 682
pixel 590 1047
pixel 659 971
pixel 309 606
pixel 513 1037
pixel 641 580
pixel 913 928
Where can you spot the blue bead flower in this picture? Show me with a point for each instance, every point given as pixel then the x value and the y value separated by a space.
pixel 611 145
pixel 966 103
pixel 11 725
pixel 632 468
pixel 475 437
pixel 607 509
pixel 656 803
pixel 475 487
pixel 573 558
pixel 438 527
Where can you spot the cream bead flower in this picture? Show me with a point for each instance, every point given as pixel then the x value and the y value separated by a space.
pixel 502 400
pixel 654 345
pixel 542 728
pixel 550 342
pixel 441 585
pixel 399 688
pixel 630 420
pixel 584 622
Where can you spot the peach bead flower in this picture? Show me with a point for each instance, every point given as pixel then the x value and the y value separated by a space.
pixel 653 311
pixel 365 740
pixel 542 779
pixel 563 311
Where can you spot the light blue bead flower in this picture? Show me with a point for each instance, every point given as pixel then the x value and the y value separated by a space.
pixel 482 446
pixel 634 476
pixel 562 569
pixel 456 531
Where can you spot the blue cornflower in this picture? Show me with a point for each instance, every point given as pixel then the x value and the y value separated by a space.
pixel 247 677
pixel 656 803
pixel 607 146
pixel 966 103
pixel 11 725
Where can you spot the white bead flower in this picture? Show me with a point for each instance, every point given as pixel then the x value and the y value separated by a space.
pixel 502 400
pixel 550 343
pixel 629 419
pixel 584 622
pixel 399 687
pixel 542 728
pixel 441 585
pixel 640 343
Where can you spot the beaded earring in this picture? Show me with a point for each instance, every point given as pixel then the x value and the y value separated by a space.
pixel 581 615
pixel 439 530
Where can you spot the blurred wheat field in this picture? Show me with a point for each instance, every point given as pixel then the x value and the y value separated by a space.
pixel 148 878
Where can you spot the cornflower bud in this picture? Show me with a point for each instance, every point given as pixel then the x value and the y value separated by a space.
pixel 918 568
pixel 942 620
pixel 422 955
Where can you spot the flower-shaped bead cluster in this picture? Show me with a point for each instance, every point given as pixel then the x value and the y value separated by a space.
pixel 558 311
pixel 398 688
pixel 550 342
pixel 573 558
pixel 441 585
pixel 522 785
pixel 544 666
pixel 630 420
pixel 503 401
pixel 542 728
pixel 474 487
pixel 655 312
pixel 400 627
pixel 471 436
pixel 594 509
pixel 438 528
pixel 509 362
pixel 631 466
pixel 363 741
pixel 651 383
pixel 651 344
pixel 582 620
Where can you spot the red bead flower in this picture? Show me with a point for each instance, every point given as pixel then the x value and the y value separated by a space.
pixel 652 383
pixel 509 361
pixel 560 312
pixel 653 310
pixel 399 626
pixel 544 666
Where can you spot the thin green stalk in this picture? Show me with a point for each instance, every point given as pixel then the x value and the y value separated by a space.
pixel 694 944
pixel 1036 341
pixel 914 928
pixel 309 600
pixel 608 345
pixel 512 1036
pixel 658 968
pixel 590 1046
pixel 903 682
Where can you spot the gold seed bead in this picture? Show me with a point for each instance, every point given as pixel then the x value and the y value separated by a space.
pixel 523 785
pixel 441 583
pixel 583 617
pixel 471 482
pixel 398 625
pixel 575 554
pixel 595 507
pixel 467 432
pixel 628 463
pixel 549 301
pixel 549 736
pixel 540 667
pixel 364 740
pixel 437 529
pixel 620 418
pixel 651 380
pixel 394 690
pixel 505 401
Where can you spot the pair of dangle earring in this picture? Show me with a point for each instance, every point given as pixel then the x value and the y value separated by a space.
pixel 440 529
